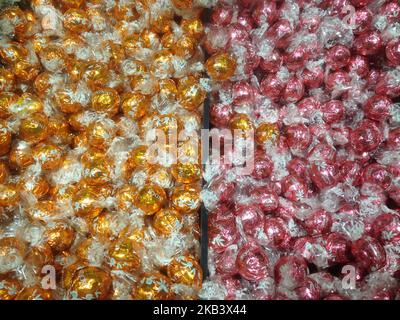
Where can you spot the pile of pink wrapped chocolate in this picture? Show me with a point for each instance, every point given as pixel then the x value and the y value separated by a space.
pixel 319 216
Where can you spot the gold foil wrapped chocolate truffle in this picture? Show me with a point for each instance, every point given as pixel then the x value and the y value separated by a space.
pixel 39 256
pixel 102 226
pixel 21 155
pixel 241 121
pixel 124 254
pixel 167 221
pixel 9 288
pixel 76 20
pixel 97 75
pixel 66 101
pixel 85 202
pixel 42 84
pixel 190 94
pixel 7 80
pixel 34 128
pixel 97 169
pixel 221 66
pixel 5 138
pixel 193 27
pixel 48 154
pixel 43 211
pixel 152 286
pixel 126 197
pixel 9 195
pixel 12 53
pixel 25 70
pixel 88 250
pixel 185 270
pixel 186 172
pixel 161 176
pixel 106 100
pixel 184 47
pixel 37 186
pixel 90 283
pixel 53 58
pixel 6 99
pixel 151 199
pixel 137 157
pixel 69 271
pixel 135 105
pixel 59 236
pixel 12 251
pixel 27 104
pixel 186 198
pixel 16 18
pixel 266 132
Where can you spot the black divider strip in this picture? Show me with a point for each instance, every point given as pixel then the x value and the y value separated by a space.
pixel 203 212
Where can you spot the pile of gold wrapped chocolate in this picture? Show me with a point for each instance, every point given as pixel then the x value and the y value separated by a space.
pixel 86 210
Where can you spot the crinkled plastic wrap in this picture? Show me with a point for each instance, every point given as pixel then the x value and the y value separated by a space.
pixel 86 210
pixel 318 84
